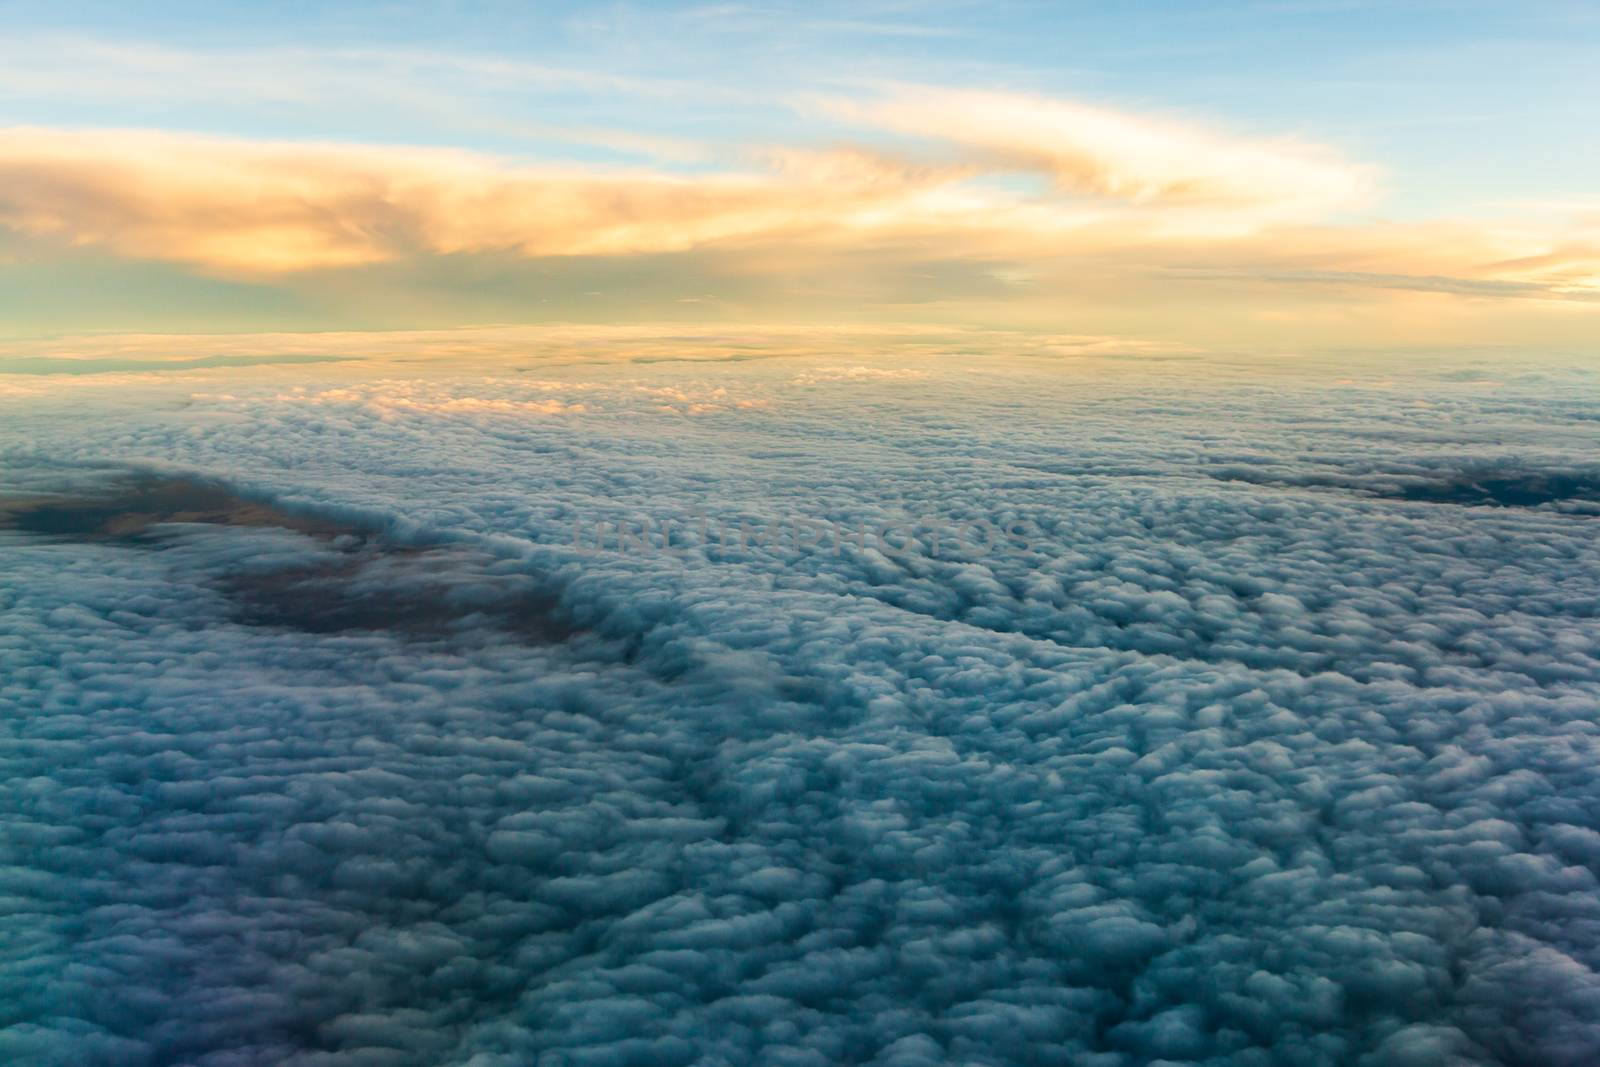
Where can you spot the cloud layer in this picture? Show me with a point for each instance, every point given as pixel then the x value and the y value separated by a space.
pixel 1247 759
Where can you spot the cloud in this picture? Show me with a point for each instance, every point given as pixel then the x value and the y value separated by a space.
pixel 542 348
pixel 1291 767
pixel 929 213
pixel 859 374
pixel 1098 152
pixel 266 208
pixel 68 365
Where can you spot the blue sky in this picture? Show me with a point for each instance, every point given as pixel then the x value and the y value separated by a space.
pixel 1470 102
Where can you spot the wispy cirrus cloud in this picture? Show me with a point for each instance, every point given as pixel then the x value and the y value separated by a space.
pixel 1104 153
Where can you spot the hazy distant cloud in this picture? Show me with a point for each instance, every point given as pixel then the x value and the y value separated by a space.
pixel 47 365
pixel 560 345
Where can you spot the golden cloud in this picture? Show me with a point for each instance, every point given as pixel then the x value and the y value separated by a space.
pixel 251 207
pixel 1139 193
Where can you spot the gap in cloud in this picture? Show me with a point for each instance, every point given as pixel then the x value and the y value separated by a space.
pixel 128 508
pixel 1527 489
pixel 317 576
pixel 1482 486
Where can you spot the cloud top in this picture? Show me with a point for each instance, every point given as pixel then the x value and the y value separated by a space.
pixel 1267 747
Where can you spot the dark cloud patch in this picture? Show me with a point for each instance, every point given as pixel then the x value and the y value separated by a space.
pixel 1506 491
pixel 419 593
pixel 356 579
pixel 1496 487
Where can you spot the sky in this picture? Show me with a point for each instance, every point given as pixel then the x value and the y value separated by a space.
pixel 1252 176
pixel 1153 610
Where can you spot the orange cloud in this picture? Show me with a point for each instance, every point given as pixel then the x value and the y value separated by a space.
pixel 1135 193
pixel 264 208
